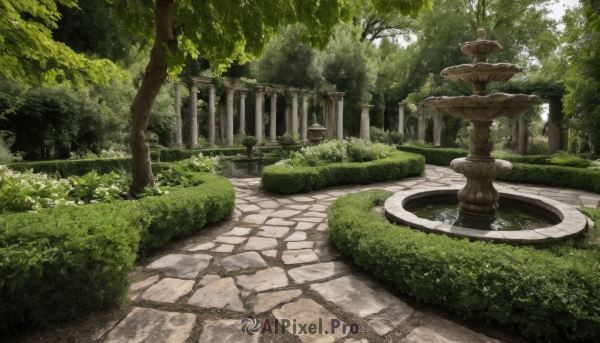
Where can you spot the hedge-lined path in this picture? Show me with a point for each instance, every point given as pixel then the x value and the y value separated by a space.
pixel 273 260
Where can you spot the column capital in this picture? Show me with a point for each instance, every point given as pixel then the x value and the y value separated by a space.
pixel 303 92
pixel 340 95
pixel 211 87
pixel 420 104
pixel 293 93
pixel 401 104
pixel 177 84
pixel 243 94
pixel 367 106
pixel 193 84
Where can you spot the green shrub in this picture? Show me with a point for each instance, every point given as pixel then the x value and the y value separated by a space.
pixel 570 177
pixel 61 262
pixel 563 158
pixel 436 156
pixel 286 179
pixel 74 167
pixel 174 155
pixel 249 141
pixel 155 155
pixel 547 294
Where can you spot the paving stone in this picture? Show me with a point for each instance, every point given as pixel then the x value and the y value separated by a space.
pixel 285 201
pixel 388 319
pixel 279 221
pixel 314 214
pixel 269 253
pixel 268 204
pixel 323 227
pixel 317 271
pixel 219 294
pixel 434 329
pixel 183 266
pixel 355 296
pixel 248 207
pixel 144 325
pixel 284 213
pixel 225 331
pixel 352 340
pixel 309 219
pixel 230 239
pixel 225 248
pixel 307 311
pixel 168 290
pixel 320 196
pixel 238 231
pixel 302 199
pixel 260 243
pixel 266 211
pixel 302 226
pixel 266 301
pixel 255 218
pixel 319 208
pixel 136 286
pixel 239 201
pixel 298 207
pixel 273 231
pixel 299 256
pixel 337 193
pixel 296 236
pixel 208 279
pixel 203 246
pixel 300 245
pixel 263 280
pixel 245 260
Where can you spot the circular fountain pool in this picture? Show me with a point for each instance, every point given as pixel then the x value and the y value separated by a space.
pixel 522 218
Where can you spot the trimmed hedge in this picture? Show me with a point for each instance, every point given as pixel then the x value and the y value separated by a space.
pixel 570 177
pixel 64 261
pixel 81 167
pixel 548 294
pixel 173 155
pixel 287 180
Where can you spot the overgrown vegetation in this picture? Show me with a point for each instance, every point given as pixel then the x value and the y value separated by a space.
pixel 547 294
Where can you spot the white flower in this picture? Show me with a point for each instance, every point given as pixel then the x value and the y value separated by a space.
pixel 80 202
pixel 167 192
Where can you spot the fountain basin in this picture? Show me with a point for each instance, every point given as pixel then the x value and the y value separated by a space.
pixel 480 47
pixel 482 72
pixel 563 221
pixel 483 108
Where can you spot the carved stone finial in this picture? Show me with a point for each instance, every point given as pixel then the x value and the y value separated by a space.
pixel 480 34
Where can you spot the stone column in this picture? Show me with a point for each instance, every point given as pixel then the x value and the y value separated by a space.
pixel 522 135
pixel 178 136
pixel 340 116
pixel 437 129
pixel 258 114
pixel 514 134
pixel 325 112
pixel 554 129
pixel 211 114
pixel 287 121
pixel 273 118
pixel 193 115
pixel 304 117
pixel 420 122
pixel 294 113
pixel 365 130
pixel 229 134
pixel 243 112
pixel 222 122
pixel 331 114
pixel 401 118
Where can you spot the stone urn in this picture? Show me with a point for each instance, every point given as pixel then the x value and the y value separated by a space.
pixel 316 133
pixel 249 142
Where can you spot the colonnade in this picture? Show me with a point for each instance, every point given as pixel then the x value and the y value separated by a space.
pixel 333 103
pixel 294 125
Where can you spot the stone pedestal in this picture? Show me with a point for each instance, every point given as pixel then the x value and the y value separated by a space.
pixel 273 119
pixel 258 114
pixel 304 118
pixel 365 129
pixel 420 123
pixel 340 116
pixel 193 116
pixel 437 130
pixel 522 135
pixel 478 200
pixel 211 114
pixel 229 126
pixel 178 132
pixel 243 113
pixel 401 107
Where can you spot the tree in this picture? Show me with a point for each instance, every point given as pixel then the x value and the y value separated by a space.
pixel 221 31
pixel 377 25
pixel 29 54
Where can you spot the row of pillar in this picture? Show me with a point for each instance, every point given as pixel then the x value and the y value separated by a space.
pixel 227 129
pixel 333 116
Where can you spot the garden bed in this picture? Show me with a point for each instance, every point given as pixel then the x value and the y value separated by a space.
pixel 548 294
pixel 173 155
pixel 285 179
pixel 65 168
pixel 57 263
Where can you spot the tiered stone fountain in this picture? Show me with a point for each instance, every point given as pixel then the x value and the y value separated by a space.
pixel 478 201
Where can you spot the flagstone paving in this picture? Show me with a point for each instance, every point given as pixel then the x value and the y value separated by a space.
pixel 273 259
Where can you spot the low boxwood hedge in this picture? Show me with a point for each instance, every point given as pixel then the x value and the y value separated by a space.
pixel 287 180
pixel 61 262
pixel 178 154
pixel 67 168
pixel 548 295
pixel 578 178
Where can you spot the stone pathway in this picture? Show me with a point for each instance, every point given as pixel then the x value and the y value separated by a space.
pixel 273 260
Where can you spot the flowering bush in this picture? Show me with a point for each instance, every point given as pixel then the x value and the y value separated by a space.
pixel 176 174
pixel 354 150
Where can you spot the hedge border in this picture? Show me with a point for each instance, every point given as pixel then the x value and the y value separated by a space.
pixel 62 262
pixel 67 168
pixel 287 180
pixel 570 177
pixel 547 294
pixel 178 154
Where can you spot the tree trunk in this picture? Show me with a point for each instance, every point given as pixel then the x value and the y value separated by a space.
pixel 152 81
